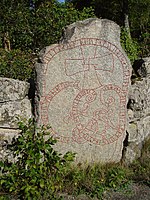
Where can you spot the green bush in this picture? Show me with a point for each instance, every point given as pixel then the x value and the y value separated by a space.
pixel 144 44
pixel 34 29
pixel 117 177
pixel 16 64
pixel 29 30
pixel 50 19
pixel 37 170
pixel 129 45
pixel 88 180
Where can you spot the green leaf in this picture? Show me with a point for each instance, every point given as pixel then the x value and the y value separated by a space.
pixel 42 183
pixel 11 189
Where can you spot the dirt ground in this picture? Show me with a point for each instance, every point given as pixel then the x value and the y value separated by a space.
pixel 134 192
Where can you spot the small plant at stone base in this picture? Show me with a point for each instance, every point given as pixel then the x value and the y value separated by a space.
pixel 37 169
pixel 87 179
pixel 117 177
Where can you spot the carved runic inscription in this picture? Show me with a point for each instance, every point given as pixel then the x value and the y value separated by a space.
pixel 87 103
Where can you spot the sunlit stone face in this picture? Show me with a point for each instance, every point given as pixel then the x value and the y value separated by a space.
pixel 83 86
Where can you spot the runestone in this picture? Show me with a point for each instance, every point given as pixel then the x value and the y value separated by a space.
pixel 82 88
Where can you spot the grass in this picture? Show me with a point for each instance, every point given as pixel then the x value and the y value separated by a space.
pixel 94 180
pixel 141 167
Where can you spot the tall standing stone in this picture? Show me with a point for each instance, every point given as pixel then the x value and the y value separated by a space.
pixel 82 90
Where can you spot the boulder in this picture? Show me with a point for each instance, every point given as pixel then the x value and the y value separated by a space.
pixel 82 89
pixel 11 89
pixel 14 105
pixel 11 111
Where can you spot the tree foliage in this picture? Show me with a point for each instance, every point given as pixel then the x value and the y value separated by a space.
pixel 29 26
pixel 140 23
pixel 138 12
pixel 33 26
pixel 16 64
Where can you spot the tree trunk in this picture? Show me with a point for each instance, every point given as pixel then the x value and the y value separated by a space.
pixel 126 16
pixel 6 42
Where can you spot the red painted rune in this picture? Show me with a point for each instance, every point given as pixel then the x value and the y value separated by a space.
pixel 89 98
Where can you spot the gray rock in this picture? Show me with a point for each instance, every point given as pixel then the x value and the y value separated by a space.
pixel 12 111
pixel 11 90
pixel 139 98
pixel 6 135
pixel 138 114
pixel 14 102
pixel 14 105
pixel 133 192
pixel 82 88
pixel 142 67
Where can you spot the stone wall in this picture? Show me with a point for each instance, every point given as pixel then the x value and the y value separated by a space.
pixel 14 104
pixel 138 109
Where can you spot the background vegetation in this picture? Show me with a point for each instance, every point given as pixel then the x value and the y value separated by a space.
pixel 28 26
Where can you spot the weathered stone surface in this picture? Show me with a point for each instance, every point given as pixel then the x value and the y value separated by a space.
pixel 6 135
pixel 11 90
pixel 13 104
pixel 10 111
pixel 82 90
pixel 139 99
pixel 142 67
pixel 138 111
